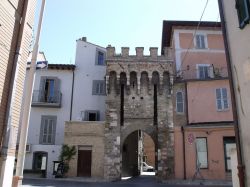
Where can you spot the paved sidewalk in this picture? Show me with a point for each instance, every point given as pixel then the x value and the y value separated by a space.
pixel 200 182
pixel 137 181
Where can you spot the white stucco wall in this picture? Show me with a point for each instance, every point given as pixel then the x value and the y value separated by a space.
pixel 87 71
pixel 239 46
pixel 62 113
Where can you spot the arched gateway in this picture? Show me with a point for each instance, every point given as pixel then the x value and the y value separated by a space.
pixel 138 99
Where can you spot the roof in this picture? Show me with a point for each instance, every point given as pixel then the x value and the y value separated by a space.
pixel 62 66
pixel 168 29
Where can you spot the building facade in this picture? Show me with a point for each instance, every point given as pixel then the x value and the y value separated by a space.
pixel 65 93
pixel 16 24
pixel 203 119
pixel 50 108
pixel 85 129
pixel 235 22
pixel 89 90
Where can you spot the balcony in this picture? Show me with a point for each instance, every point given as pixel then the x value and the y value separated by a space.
pixel 208 73
pixel 43 98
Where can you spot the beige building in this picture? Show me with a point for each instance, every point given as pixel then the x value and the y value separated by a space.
pixel 236 28
pixel 16 23
pixel 88 137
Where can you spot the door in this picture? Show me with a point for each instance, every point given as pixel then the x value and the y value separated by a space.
pixel 229 143
pixel 84 163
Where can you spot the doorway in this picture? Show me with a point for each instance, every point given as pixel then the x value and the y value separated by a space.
pixel 40 163
pixel 138 155
pixel 84 163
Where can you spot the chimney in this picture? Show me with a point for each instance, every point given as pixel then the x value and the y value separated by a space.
pixel 84 39
pixel 125 51
pixel 153 52
pixel 110 51
pixel 139 51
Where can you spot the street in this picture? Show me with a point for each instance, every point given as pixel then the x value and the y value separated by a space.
pixel 145 181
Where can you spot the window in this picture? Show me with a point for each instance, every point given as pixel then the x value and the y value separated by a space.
pixel 242 7
pixel 201 150
pixel 204 71
pixel 48 129
pixel 179 102
pixel 200 41
pixel 221 99
pixel 100 57
pixel 49 90
pixel 91 115
pixel 98 87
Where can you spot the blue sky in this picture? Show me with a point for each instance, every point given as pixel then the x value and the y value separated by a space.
pixel 130 23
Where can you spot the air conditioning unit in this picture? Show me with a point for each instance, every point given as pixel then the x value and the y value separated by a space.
pixel 28 148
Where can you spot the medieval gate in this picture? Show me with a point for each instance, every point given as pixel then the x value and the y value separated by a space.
pixel 138 99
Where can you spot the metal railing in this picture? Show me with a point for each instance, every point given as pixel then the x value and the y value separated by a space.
pixel 43 97
pixel 211 73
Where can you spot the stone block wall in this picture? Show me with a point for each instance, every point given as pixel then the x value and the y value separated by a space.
pixel 146 105
pixel 86 134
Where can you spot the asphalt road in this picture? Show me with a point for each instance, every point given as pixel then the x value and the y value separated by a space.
pixel 143 181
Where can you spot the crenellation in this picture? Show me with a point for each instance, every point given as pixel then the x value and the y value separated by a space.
pixel 153 52
pixel 125 57
pixel 139 52
pixel 125 51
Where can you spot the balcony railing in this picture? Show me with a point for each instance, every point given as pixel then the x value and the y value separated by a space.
pixel 210 73
pixel 43 98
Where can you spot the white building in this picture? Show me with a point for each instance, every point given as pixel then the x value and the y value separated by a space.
pixel 50 108
pixel 89 88
pixel 64 93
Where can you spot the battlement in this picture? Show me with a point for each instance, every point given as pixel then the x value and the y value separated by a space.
pixel 111 54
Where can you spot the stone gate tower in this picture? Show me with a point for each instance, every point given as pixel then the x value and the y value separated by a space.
pixel 139 98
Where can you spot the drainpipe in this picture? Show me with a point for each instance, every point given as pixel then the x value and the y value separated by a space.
pixel 184 152
pixel 72 94
pixel 241 167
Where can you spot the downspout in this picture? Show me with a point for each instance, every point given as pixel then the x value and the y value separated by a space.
pixel 184 152
pixel 72 94
pixel 241 167
pixel 183 130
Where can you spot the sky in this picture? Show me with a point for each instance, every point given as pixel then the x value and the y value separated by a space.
pixel 120 23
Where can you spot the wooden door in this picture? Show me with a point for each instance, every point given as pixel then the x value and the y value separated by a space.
pixel 84 163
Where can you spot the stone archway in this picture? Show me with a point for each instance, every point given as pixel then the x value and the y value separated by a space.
pixel 138 98
pixel 137 148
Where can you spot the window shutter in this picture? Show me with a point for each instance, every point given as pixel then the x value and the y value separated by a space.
pixel 86 116
pixel 98 116
pixel 218 99
pixel 41 130
pixel 202 41
pixel 41 94
pixel 224 96
pixel 242 7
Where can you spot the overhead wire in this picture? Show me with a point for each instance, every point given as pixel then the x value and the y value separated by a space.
pixel 197 27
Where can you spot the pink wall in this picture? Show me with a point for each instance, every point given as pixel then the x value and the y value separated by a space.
pixel 202 101
pixel 216 161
